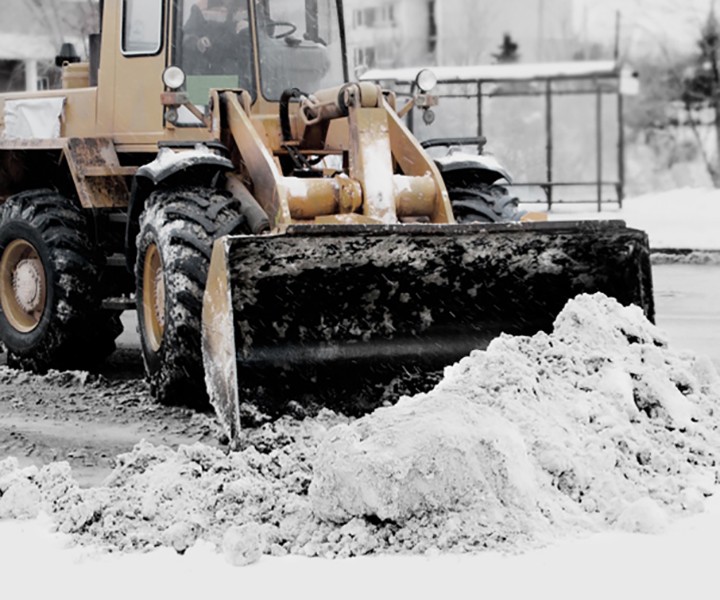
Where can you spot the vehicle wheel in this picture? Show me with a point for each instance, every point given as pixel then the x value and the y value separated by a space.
pixel 177 231
pixel 51 316
pixel 484 203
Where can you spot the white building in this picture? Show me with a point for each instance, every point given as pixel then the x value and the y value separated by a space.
pixel 389 33
pixel 393 33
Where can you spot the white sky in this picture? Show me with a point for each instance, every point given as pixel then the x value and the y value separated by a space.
pixel 647 26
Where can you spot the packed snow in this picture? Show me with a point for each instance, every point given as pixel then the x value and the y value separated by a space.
pixel 533 467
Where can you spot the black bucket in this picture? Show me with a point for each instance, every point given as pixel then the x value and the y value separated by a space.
pixel 330 315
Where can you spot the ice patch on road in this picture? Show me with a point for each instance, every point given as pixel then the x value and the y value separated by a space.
pixel 596 425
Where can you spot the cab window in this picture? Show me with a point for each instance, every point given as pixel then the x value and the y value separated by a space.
pixel 213 46
pixel 299 45
pixel 142 27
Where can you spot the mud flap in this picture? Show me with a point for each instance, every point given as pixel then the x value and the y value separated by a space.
pixel 323 313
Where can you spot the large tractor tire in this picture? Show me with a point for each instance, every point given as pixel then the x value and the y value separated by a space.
pixel 484 203
pixel 49 298
pixel 177 231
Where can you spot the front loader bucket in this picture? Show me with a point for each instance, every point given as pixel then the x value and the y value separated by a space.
pixel 329 314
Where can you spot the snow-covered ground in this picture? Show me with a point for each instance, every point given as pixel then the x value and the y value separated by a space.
pixel 677 561
pixel 681 563
pixel 683 218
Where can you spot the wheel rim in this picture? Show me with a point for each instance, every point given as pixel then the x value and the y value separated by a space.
pixel 23 285
pixel 153 297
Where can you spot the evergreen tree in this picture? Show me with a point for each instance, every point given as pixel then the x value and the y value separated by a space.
pixel 701 86
pixel 704 77
pixel 508 51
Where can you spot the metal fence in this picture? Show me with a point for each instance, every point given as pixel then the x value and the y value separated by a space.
pixel 558 130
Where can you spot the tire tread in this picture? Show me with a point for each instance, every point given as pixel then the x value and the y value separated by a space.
pixel 184 224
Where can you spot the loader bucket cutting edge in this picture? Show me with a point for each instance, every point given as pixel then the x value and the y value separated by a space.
pixel 322 312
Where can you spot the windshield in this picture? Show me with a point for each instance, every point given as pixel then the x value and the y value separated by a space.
pixel 213 47
pixel 299 46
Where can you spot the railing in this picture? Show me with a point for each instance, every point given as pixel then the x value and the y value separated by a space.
pixel 595 84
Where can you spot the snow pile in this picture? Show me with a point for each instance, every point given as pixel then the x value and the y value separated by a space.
pixel 596 425
pixel 157 496
pixel 428 454
pixel 19 497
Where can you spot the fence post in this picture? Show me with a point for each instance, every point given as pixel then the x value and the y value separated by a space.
pixel 621 151
pixel 549 143
pixel 599 142
pixel 479 113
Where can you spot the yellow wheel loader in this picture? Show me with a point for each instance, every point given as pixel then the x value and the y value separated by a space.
pixel 284 238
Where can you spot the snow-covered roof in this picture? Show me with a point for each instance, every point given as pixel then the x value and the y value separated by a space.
pixel 503 72
pixel 23 46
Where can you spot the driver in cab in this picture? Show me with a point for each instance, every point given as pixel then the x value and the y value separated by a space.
pixel 216 37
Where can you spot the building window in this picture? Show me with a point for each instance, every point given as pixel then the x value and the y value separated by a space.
pixel 365 57
pixel 376 16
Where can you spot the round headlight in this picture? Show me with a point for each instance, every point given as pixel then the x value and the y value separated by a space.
pixel 173 77
pixel 426 80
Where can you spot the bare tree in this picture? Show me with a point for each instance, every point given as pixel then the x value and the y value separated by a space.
pixel 59 21
pixel 46 14
pixel 700 89
pixel 678 110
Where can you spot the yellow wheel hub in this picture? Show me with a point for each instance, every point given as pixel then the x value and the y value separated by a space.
pixel 23 286
pixel 153 297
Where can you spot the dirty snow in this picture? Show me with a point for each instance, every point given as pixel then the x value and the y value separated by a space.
pixel 596 426
pixel 168 158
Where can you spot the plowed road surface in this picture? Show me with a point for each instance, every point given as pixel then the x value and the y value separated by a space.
pixel 687 304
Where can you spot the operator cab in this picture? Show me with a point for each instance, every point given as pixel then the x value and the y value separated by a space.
pixel 298 45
